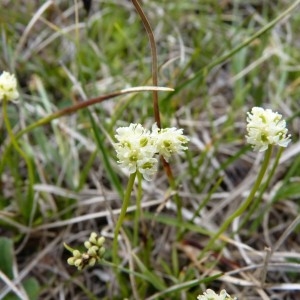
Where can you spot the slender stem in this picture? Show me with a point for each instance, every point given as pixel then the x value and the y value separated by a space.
pixel 84 104
pixel 176 196
pixel 26 209
pixel 122 216
pixel 266 184
pixel 138 210
pixel 153 58
pixel 244 205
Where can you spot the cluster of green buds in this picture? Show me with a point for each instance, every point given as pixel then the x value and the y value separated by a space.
pixel 94 253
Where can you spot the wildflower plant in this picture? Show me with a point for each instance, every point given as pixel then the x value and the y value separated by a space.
pixel 9 92
pixel 266 129
pixel 211 295
pixel 137 151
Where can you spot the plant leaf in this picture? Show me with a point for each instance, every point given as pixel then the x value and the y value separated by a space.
pixel 6 257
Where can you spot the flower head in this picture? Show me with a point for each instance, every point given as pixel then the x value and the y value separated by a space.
pixel 8 87
pixel 211 295
pixel 265 128
pixel 137 147
pixel 135 150
pixel 169 140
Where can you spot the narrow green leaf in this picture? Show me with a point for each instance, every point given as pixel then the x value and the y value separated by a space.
pixel 32 288
pixel 6 257
pixel 108 168
pixel 155 280
pixel 289 190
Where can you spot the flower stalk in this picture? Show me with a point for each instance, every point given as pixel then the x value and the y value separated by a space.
pixel 244 205
pixel 120 220
pixel 9 92
pixel 265 129
pixel 137 149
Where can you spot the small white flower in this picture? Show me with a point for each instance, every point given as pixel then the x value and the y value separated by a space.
pixel 135 150
pixel 169 141
pixel 135 132
pixel 265 128
pixel 8 87
pixel 211 295
pixel 148 167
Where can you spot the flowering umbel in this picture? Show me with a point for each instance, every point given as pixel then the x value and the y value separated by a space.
pixel 169 140
pixel 211 295
pixel 265 128
pixel 94 253
pixel 8 87
pixel 137 147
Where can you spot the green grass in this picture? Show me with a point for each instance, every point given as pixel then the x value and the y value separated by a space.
pixel 222 58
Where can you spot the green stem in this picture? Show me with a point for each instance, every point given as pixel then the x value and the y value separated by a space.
pixel 178 203
pixel 121 217
pixel 137 217
pixel 244 205
pixel 26 208
pixel 262 190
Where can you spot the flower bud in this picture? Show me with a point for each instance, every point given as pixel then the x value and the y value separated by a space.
pixel 100 241
pixel 87 244
pixel 93 251
pixel 93 238
pixel 77 262
pixel 71 261
pixel 76 254
pixel 92 262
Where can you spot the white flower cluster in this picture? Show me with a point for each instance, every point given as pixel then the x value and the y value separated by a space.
pixel 137 147
pixel 265 128
pixel 8 87
pixel 211 295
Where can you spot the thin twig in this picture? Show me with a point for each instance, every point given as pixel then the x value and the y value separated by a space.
pixel 154 71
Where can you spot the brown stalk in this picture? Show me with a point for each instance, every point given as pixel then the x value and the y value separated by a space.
pixel 153 58
pixel 72 109
pixel 154 72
